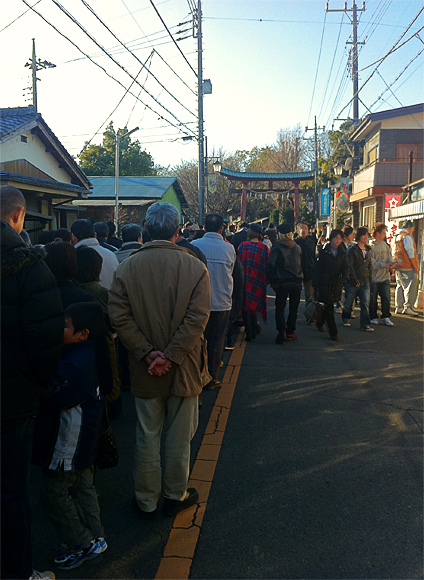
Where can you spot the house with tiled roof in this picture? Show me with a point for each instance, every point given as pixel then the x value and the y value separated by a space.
pixel 135 194
pixel 34 160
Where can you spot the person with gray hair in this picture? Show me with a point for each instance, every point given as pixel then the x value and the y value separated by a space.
pixel 160 317
pixel 132 240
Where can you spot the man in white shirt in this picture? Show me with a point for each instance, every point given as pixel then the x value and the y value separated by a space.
pixel 221 258
pixel 83 234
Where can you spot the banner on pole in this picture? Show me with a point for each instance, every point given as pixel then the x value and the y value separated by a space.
pixel 211 184
pixel 310 206
pixel 344 185
pixel 325 202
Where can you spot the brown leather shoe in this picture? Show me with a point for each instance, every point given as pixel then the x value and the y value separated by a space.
pixel 213 384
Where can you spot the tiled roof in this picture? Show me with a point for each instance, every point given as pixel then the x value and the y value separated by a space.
pixel 12 119
pixel 137 187
pixel 306 175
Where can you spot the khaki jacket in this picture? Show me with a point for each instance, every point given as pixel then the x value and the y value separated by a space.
pixel 160 300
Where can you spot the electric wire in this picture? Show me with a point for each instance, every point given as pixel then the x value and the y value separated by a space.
pixel 119 102
pixel 69 15
pixel 173 39
pixel 316 74
pixel 87 5
pixel 397 78
pixel 20 16
pixel 331 69
pixel 176 74
pixel 106 72
pixel 380 61
pixel 136 100
pixel 389 89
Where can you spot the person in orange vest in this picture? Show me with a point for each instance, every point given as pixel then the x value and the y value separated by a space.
pixel 406 264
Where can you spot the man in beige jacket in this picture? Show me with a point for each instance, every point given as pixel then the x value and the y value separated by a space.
pixel 159 305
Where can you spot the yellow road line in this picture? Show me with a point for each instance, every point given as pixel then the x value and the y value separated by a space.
pixel 179 551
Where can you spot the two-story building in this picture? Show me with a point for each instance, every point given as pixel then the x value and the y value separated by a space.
pixel 393 156
pixel 34 160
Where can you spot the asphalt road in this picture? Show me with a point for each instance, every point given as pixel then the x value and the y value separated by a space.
pixel 319 475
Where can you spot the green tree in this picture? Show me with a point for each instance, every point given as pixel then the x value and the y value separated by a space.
pixel 100 159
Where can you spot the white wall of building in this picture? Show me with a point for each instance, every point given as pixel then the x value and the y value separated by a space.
pixel 33 151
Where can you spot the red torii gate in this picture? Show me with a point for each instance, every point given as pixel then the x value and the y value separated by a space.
pixel 246 176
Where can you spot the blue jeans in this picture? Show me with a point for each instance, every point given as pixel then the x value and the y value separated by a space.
pixel 363 292
pixel 16 449
pixel 381 289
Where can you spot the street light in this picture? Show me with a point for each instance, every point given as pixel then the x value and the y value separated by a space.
pixel 338 169
pixel 217 166
pixel 117 139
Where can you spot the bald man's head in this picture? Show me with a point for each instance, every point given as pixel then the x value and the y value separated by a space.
pixel 12 207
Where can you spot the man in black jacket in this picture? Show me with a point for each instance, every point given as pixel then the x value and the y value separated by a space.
pixel 284 272
pixel 308 246
pixel 31 347
pixel 360 278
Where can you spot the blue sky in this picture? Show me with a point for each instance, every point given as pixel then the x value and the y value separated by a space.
pixel 262 72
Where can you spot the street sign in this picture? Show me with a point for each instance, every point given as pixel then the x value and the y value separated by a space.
pixel 325 202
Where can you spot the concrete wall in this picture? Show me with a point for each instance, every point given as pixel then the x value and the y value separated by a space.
pixel 34 151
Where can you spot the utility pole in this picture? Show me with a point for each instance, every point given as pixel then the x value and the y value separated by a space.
pixel 201 169
pixel 118 138
pixel 354 54
pixel 36 66
pixel 315 130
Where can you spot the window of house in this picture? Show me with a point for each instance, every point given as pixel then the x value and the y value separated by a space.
pixel 403 149
pixel 368 216
pixel 24 139
pixel 373 155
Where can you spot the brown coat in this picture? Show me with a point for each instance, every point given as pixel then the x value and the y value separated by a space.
pixel 160 300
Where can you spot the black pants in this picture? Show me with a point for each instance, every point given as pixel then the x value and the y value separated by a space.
pixel 330 319
pixel 215 335
pixel 250 323
pixel 16 450
pixel 291 292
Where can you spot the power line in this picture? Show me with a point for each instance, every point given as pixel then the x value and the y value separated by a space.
pixel 173 39
pixel 316 74
pixel 393 49
pixel 396 79
pixel 331 68
pixel 119 102
pixel 104 70
pixel 136 57
pixel 20 16
pixel 388 88
pixel 380 61
pixel 135 102
pixel 69 15
pixel 176 74
pixel 286 21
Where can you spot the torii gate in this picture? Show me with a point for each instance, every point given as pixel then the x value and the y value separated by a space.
pixel 246 176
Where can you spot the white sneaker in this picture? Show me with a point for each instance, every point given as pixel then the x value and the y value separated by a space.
pixel 367 328
pixel 42 575
pixel 374 321
pixel 409 312
pixel 386 322
pixel 345 322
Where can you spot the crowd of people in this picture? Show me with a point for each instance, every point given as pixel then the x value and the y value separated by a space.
pixel 86 315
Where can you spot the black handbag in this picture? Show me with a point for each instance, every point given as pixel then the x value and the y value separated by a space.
pixel 108 450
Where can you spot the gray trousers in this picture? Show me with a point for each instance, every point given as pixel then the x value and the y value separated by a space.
pixel 406 289
pixel 182 415
pixel 71 504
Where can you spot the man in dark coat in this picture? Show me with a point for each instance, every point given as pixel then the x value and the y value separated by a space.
pixel 31 348
pixel 240 236
pixel 112 239
pixel 307 244
pixel 284 273
pixel 331 271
